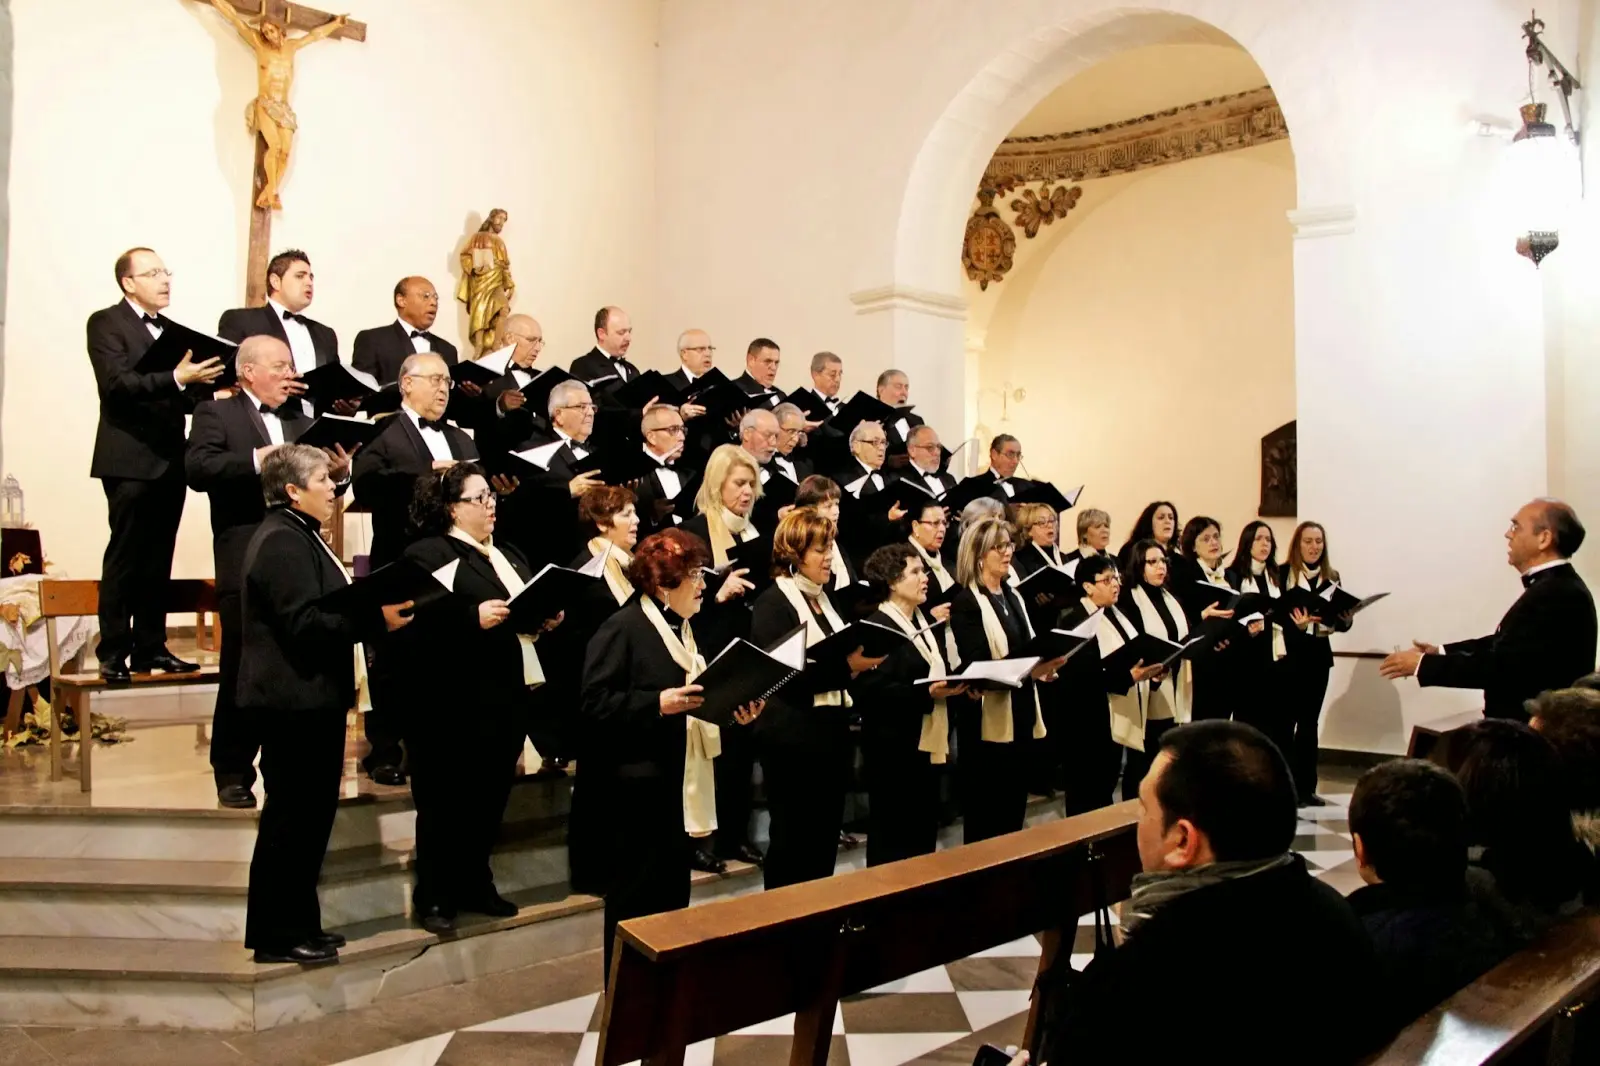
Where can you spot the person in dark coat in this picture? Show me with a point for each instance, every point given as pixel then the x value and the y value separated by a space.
pixel 638 697
pixel 382 350
pixel 1409 822
pixel 1223 899
pixel 1547 639
pixel 298 677
pixel 494 674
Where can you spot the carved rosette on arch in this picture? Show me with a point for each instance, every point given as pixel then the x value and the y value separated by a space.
pixel 989 245
pixel 1041 209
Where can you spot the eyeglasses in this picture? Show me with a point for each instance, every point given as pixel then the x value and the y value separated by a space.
pixel 158 272
pixel 707 348
pixel 437 381
pixel 486 498
pixel 671 431
pixel 578 407
pixel 873 442
pixel 1108 579
pixel 536 342
pixel 1011 455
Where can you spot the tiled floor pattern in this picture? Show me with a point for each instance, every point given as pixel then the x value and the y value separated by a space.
pixel 548 1014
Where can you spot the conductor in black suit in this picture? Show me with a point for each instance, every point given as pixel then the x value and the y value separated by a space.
pixel 298 678
pixel 414 441
pixel 1547 639
pixel 138 457
pixel 381 351
pixel 227 442
pixel 289 292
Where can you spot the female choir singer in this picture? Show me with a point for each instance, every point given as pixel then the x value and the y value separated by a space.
pixel 1093 756
pixel 823 495
pixel 905 726
pixel 1199 564
pixel 1259 683
pixel 298 677
pixel 1155 610
pixel 992 731
pixel 1310 656
pixel 727 494
pixel 461 791
pixel 805 739
pixel 1157 522
pixel 1094 537
pixel 1038 526
pixel 650 761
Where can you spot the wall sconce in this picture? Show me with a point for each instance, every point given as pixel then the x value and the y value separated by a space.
pixel 1544 167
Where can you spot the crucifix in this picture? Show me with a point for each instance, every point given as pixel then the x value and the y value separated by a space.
pixel 269 116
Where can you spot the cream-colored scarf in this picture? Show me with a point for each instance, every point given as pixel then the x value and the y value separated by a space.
pixel 1304 579
pixel 797 590
pixel 617 560
pixel 1279 647
pixel 363 689
pixel 935 738
pixel 727 528
pixel 1171 697
pixel 840 572
pixel 997 726
pixel 702 740
pixel 1127 708
pixel 532 671
pixel 1216 576
pixel 934 566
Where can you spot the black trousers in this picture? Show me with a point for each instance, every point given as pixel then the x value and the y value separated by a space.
pixel 1138 762
pixel 1047 758
pixel 1266 702
pixel 902 801
pixel 1093 760
pixel 144 518
pixel 302 759
pixel 1306 686
pixel 990 778
pixel 235 733
pixel 644 828
pixel 1215 696
pixel 735 788
pixel 460 791
pixel 805 799
pixel 393 704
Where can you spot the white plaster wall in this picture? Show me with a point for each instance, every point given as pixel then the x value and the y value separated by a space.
pixel 811 150
pixel 129 130
pixel 1154 338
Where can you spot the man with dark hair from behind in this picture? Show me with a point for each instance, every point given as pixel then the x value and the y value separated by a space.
pixel 1409 822
pixel 1569 719
pixel 1225 926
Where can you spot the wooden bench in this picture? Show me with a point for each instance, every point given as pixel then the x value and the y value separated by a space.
pixel 59 599
pixel 799 949
pixel 1425 736
pixel 1527 1009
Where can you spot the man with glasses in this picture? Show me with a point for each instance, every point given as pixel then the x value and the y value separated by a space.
pixel 821 402
pixel 926 456
pixel 382 351
pixel 696 354
pixel 413 441
pixel 788 459
pixel 138 458
pixel 865 528
pixel 514 422
pixel 561 470
pixel 659 474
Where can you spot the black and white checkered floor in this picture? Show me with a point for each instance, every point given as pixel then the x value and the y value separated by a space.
pixel 939 1016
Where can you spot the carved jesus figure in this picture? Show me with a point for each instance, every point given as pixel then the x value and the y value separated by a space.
pixel 269 114
pixel 486 286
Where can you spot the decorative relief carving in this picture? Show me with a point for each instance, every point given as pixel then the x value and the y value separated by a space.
pixel 1280 472
pixel 989 245
pixel 1044 208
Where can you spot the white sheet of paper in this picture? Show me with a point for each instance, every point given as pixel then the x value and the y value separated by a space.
pixel 792 652
pixel 1008 672
pixel 365 378
pixel 446 574
pixel 497 361
pixel 542 455
pixel 1085 629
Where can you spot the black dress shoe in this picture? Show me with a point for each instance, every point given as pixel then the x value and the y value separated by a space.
pixel 743 853
pixel 706 862
pixel 326 940
pixel 116 671
pixel 494 905
pixel 166 663
pixel 305 953
pixel 392 776
pixel 236 796
pixel 1313 801
pixel 436 921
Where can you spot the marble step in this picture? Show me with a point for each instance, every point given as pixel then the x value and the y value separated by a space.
pixel 198 984
pixel 364 820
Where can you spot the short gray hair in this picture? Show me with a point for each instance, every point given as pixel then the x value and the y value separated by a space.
pixel 787 410
pixel 981 508
pixel 855 434
pixel 889 375
pixel 564 394
pixel 918 432
pixel 753 418
pixel 409 368
pixel 820 361
pixel 254 349
pixel 1089 518
pixel 289 464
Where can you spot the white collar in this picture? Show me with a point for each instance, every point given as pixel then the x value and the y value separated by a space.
pixel 278 310
pixel 1546 566
pixel 255 401
pixel 406 327
pixel 573 442
pixel 416 419
pixel 659 460
pixel 690 374
pixel 140 311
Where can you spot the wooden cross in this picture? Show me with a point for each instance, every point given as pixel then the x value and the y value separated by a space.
pixel 276 66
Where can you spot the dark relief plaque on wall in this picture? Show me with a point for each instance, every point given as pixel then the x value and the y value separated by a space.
pixel 1279 468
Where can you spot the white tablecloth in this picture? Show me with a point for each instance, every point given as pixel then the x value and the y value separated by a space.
pixel 23 644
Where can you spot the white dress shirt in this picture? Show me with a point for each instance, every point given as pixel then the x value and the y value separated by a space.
pixel 300 346
pixel 438 445
pixel 787 466
pixel 931 479
pixel 155 331
pixel 1005 486
pixel 273 422
pixel 855 487
pixel 578 450
pixel 418 344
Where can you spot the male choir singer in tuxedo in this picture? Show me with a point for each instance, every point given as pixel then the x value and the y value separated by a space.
pixel 290 287
pixel 300 671
pixel 1545 641
pixel 894 389
pixel 760 378
pixel 512 422
pixel 138 457
pixel 414 441
pixel 382 351
pixel 227 443
pixel 613 335
pixel 696 355
pixel 822 399
pixel 659 474
pixel 924 452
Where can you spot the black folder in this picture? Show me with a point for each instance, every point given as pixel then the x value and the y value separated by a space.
pixel 552 590
pixel 473 371
pixel 863 408
pixel 753 555
pixel 651 385
pixel 1143 647
pixel 910 492
pixel 778 491
pixel 167 351
pixel 1049 581
pixel 1046 493
pixel 386 401
pixel 1206 594
pixel 970 489
pixel 1339 602
pixel 537 391
pixel 386 586
pixel 811 405
pixel 331 382
pixel 702 384
pixel 1300 599
pixel 1051 644
pixel 741 673
pixel 855 600
pixel 873 638
pixel 726 398
pixel 330 430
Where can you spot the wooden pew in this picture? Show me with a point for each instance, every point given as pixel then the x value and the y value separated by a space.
pixel 1425 736
pixel 59 599
pixel 689 975
pixel 1527 1009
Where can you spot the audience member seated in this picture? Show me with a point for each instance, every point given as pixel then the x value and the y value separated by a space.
pixel 1569 719
pixel 1409 820
pixel 1225 927
pixel 1527 869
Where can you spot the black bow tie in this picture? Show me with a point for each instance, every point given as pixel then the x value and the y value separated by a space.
pixel 151 320
pixel 290 316
pixel 431 423
pixel 1529 579
pixel 264 409
pixel 417 333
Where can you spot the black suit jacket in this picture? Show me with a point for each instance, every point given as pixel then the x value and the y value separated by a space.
pixel 596 364
pixel 220 462
pixel 141 415
pixel 946 480
pixel 380 351
pixel 242 322
pixel 624 672
pixel 295 656
pixel 1546 641
pixel 751 387
pixel 655 505
pixel 385 474
pixel 891 701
